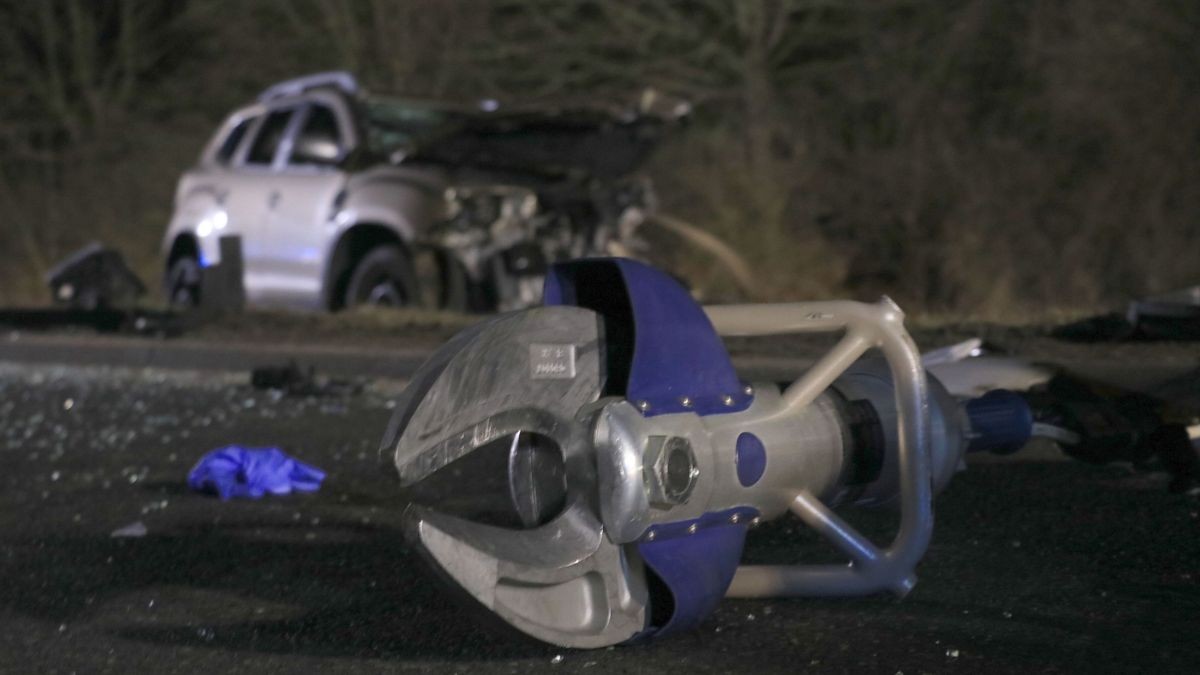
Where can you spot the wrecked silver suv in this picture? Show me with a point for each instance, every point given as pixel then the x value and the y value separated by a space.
pixel 340 198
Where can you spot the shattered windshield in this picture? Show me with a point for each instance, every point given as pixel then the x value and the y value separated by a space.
pixel 395 124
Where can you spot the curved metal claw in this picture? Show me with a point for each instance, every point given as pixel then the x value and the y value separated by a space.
pixel 510 522
pixel 564 582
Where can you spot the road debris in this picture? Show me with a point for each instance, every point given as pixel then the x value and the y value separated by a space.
pixel 292 380
pixel 134 530
pixel 1168 316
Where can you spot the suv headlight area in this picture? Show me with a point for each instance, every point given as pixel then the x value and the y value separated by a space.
pixel 485 206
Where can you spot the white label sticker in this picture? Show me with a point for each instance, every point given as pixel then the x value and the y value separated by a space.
pixel 551 362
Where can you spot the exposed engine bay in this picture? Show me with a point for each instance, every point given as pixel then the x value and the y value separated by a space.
pixel 530 187
pixel 504 237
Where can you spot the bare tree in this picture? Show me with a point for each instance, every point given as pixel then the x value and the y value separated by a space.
pixel 75 65
pixel 743 63
pixel 734 54
pixel 414 47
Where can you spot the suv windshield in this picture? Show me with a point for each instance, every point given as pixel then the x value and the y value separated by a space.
pixel 395 124
pixel 548 142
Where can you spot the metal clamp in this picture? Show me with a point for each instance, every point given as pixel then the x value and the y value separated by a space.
pixel 867 325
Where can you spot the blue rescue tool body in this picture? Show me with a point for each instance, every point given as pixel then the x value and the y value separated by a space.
pixel 673 353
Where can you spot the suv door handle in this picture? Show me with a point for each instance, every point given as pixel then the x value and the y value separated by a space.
pixel 273 199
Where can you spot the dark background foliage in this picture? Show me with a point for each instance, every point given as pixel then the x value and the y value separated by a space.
pixel 984 156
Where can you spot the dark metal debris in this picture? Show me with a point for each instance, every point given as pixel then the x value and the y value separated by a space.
pixel 292 380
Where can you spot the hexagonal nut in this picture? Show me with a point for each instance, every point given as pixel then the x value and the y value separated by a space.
pixel 669 470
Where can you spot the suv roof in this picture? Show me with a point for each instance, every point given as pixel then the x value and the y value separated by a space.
pixel 338 79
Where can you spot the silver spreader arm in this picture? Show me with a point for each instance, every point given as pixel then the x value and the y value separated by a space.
pixel 867 325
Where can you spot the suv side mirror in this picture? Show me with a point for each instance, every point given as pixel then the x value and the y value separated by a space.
pixel 314 150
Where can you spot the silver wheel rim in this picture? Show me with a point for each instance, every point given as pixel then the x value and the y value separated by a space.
pixel 385 294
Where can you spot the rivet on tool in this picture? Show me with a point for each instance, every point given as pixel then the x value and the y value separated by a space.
pixel 748 390
pixel 756 522
pixel 692 528
pixel 734 518
pixel 685 401
pixel 727 399
pixel 643 405
pixel 650 535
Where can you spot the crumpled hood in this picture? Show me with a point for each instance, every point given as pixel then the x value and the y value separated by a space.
pixel 563 143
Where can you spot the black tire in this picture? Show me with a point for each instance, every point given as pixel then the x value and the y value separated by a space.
pixel 456 285
pixel 384 277
pixel 443 281
pixel 183 283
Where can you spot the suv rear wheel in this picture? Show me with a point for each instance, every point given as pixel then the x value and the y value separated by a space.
pixel 384 277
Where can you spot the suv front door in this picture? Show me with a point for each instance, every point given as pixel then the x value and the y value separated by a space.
pixel 300 220
pixel 252 196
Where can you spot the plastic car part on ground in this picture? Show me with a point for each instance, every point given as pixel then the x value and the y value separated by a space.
pixel 1168 316
pixel 94 277
pixel 93 288
pixel 234 471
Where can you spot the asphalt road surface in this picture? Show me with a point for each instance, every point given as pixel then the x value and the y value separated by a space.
pixel 1038 564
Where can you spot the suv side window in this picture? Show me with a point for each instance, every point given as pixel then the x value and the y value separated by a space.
pixel 319 143
pixel 230 145
pixel 271 132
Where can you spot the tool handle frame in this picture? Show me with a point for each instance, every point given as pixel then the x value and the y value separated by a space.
pixel 872 569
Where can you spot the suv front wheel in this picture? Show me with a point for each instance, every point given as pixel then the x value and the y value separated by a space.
pixel 384 277
pixel 183 283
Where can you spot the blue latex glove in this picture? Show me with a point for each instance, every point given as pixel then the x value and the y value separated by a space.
pixel 234 471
